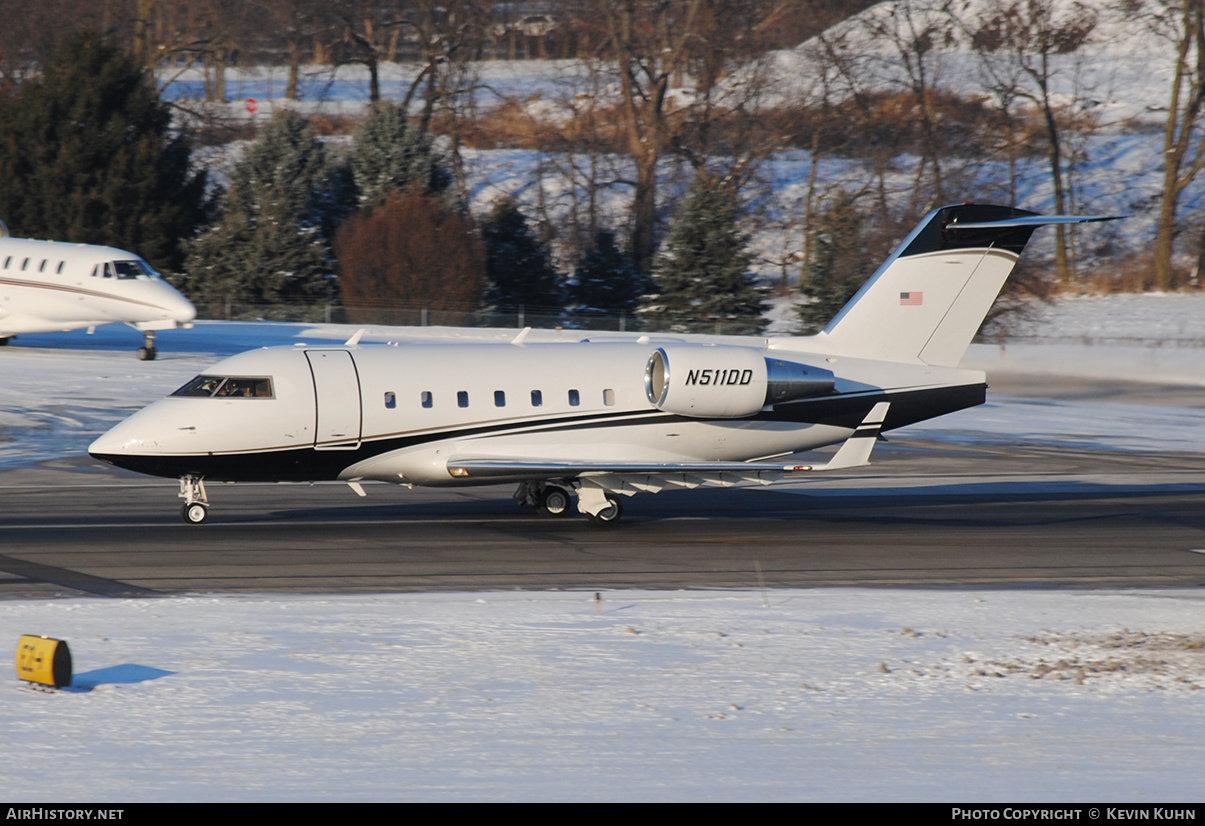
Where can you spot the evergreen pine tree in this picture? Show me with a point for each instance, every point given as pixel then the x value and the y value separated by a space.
pixel 389 155
pixel 517 263
pixel 702 280
pixel 268 246
pixel 606 281
pixel 841 263
pixel 87 154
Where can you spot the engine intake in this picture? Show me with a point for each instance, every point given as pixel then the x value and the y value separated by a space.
pixel 726 382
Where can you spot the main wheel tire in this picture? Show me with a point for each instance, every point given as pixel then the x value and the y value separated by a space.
pixel 194 513
pixel 147 353
pixel 554 501
pixel 609 516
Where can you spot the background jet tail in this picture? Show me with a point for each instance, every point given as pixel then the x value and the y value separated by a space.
pixel 928 299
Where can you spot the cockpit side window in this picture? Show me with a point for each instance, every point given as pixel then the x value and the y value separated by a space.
pixel 200 386
pixel 246 388
pixel 227 387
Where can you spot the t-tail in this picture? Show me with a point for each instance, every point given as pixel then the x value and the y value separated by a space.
pixel 929 298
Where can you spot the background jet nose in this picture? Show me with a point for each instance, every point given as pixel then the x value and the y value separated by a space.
pixel 180 308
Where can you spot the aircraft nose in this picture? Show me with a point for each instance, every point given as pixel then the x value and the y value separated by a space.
pixel 116 442
pixel 143 443
pixel 179 308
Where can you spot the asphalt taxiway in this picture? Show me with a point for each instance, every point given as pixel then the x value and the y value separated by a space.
pixel 922 515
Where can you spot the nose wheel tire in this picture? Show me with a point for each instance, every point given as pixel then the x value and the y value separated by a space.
pixel 194 513
pixel 609 516
pixel 554 502
pixel 147 353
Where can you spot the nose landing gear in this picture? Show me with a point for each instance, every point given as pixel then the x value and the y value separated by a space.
pixel 196 503
pixel 147 351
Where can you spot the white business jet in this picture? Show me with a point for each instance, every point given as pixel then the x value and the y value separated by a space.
pixel 50 286
pixel 591 419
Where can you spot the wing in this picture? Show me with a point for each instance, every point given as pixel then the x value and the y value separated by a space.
pixel 855 452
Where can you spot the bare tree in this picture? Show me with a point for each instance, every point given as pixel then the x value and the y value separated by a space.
pixel 689 74
pixel 370 32
pixel 1021 42
pixel 291 25
pixel 648 41
pixel 915 34
pixel 1179 24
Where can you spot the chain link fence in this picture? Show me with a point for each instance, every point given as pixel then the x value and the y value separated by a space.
pixel 517 316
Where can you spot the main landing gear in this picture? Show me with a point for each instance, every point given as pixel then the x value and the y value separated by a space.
pixel 196 503
pixel 609 516
pixel 555 500
pixel 147 351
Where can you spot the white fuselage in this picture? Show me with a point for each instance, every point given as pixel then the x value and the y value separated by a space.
pixel 49 286
pixel 599 419
pixel 399 414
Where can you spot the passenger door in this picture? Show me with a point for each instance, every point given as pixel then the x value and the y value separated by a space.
pixel 337 398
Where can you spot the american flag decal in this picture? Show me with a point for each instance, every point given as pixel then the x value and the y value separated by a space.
pixel 912 299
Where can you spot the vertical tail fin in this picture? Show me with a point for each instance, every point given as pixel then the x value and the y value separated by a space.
pixel 928 299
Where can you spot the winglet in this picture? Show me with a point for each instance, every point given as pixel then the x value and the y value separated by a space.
pixel 354 340
pixel 519 339
pixel 856 450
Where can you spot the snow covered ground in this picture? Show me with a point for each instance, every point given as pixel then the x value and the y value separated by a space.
pixel 837 694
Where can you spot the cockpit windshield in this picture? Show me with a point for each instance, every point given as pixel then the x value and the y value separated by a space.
pixel 137 268
pixel 227 387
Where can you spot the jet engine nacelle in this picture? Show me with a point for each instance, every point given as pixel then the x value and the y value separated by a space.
pixel 726 382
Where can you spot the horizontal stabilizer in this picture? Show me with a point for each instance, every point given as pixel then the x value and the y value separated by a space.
pixel 1035 221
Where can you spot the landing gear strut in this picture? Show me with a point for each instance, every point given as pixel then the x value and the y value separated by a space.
pixel 196 503
pixel 147 351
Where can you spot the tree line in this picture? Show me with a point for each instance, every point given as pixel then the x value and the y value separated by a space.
pixel 90 156
pixel 691 86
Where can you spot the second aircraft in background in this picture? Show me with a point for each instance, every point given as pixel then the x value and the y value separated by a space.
pixel 51 286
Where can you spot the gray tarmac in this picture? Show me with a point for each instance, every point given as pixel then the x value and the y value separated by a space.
pixel 924 515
